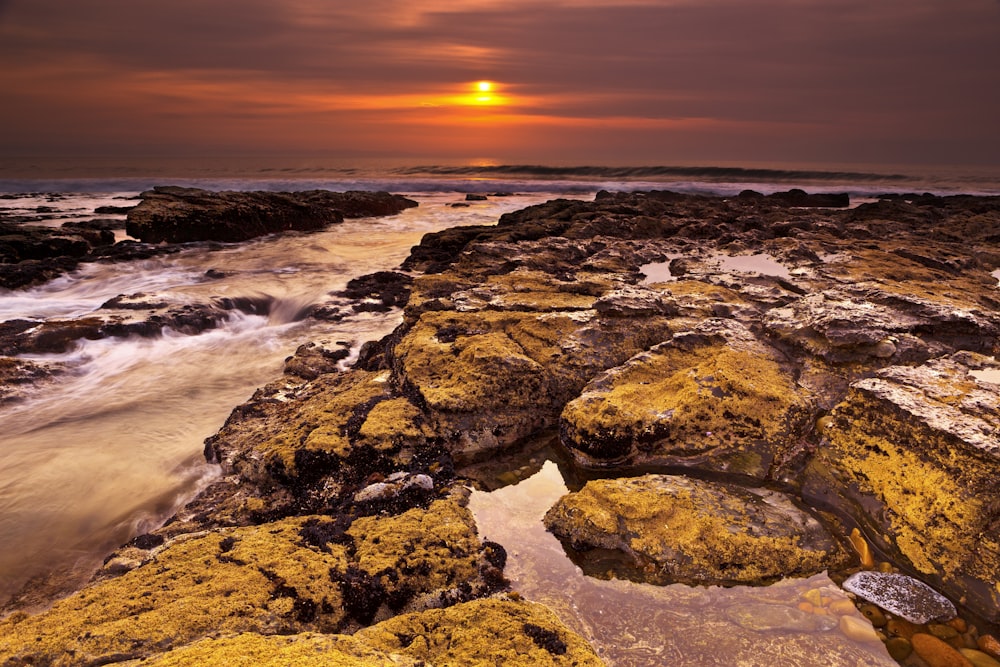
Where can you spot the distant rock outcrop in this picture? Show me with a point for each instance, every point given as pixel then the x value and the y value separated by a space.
pixel 180 215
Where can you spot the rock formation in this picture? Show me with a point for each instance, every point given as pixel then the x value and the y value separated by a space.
pixel 844 389
pixel 182 215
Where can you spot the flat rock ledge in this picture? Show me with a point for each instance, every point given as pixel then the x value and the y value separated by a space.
pixel 182 215
pixel 680 530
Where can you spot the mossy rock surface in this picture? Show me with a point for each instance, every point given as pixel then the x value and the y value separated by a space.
pixel 301 650
pixel 714 399
pixel 675 529
pixel 912 454
pixel 488 379
pixel 483 632
pixel 295 575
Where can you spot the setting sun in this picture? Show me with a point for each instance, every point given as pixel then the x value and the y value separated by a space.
pixel 484 94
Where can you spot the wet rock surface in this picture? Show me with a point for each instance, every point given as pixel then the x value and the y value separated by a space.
pixel 846 381
pixel 676 529
pixel 899 594
pixel 182 215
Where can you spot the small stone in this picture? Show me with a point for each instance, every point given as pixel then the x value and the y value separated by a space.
pixel 901 595
pixel 942 631
pixel 959 624
pixel 899 627
pixel 989 644
pixel 899 648
pixel 873 614
pixel 814 597
pixel 884 349
pixel 842 607
pixel 978 658
pixel 936 653
pixel 857 629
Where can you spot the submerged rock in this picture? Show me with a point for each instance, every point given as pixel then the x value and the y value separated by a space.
pixel 901 595
pixel 676 529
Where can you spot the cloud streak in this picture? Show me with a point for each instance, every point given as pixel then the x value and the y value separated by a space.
pixel 846 80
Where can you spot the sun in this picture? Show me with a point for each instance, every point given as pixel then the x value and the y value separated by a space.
pixel 484 93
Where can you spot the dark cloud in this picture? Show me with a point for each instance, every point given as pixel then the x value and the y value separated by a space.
pixel 847 71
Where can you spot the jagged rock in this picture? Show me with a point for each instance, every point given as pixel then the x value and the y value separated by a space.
pixel 715 399
pixel 855 325
pixel 312 360
pixel 18 376
pixel 912 454
pixel 487 379
pixel 378 291
pixel 181 215
pixel 676 529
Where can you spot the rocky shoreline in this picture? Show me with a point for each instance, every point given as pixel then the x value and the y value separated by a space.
pixel 834 409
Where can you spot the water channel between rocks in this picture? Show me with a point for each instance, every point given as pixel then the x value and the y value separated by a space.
pixel 632 624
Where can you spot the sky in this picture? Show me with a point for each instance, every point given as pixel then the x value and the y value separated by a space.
pixel 628 82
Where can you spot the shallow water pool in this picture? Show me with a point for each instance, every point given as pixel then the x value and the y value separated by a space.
pixel 630 623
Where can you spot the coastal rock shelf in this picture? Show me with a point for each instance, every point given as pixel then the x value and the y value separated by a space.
pixel 768 416
pixel 182 215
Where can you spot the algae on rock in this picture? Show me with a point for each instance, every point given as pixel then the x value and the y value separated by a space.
pixel 675 529
pixel 914 451
pixel 715 399
pixel 294 575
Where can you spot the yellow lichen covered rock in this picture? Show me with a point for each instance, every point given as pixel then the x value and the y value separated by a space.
pixel 675 529
pixel 914 452
pixel 263 579
pixel 488 379
pixel 304 650
pixel 483 632
pixel 715 398
pixel 294 575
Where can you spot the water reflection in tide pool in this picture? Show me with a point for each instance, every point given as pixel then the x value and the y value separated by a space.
pixel 632 624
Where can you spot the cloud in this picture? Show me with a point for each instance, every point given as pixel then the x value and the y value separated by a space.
pixel 845 70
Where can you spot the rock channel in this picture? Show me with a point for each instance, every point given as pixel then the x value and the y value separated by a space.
pixel 752 413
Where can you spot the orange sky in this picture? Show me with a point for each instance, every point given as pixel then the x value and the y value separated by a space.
pixel 584 81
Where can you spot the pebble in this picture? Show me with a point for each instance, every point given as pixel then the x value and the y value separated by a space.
pixel 901 595
pixel 936 653
pixel 874 615
pixel 899 648
pixel 989 644
pixel 858 629
pixel 861 547
pixel 899 627
pixel 978 658
pixel 842 607
pixel 942 631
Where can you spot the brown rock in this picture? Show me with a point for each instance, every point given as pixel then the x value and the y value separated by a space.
pixel 937 653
